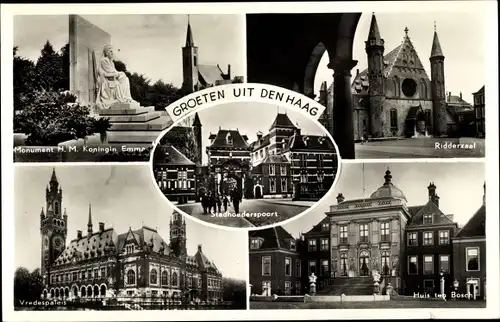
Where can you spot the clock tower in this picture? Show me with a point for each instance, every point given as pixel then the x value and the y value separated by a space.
pixel 53 226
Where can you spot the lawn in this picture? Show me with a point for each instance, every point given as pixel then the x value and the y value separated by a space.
pixel 392 304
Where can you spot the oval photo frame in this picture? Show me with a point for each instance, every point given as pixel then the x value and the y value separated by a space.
pixel 266 178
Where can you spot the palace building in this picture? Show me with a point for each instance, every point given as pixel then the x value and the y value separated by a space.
pixel 104 263
pixel 395 97
pixel 411 247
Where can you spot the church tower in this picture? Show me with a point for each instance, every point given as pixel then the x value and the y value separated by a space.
pixel 189 63
pixel 178 235
pixel 53 225
pixel 198 138
pixel 437 87
pixel 374 47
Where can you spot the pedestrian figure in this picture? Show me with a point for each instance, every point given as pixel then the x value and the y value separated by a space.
pixel 225 201
pixel 236 200
pixel 204 203
pixel 219 203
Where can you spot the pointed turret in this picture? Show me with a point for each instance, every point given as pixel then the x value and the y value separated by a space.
pixel 42 213
pixel 196 121
pixel 189 35
pixel 436 46
pixel 89 225
pixel 374 34
pixel 53 183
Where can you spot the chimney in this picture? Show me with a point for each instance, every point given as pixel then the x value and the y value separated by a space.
pixel 484 194
pixel 79 234
pixel 199 248
pixel 340 198
pixel 259 135
pixel 297 131
pixel 229 71
pixel 432 194
pixel 101 227
pixel 460 95
pixel 449 96
pixel 357 71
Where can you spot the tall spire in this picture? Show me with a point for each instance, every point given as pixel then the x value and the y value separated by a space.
pixel 89 225
pixel 196 121
pixel 436 46
pixel 53 178
pixel 374 34
pixel 189 35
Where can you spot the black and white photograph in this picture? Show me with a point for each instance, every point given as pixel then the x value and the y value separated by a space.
pixel 398 235
pixel 394 84
pixel 95 88
pixel 245 164
pixel 100 238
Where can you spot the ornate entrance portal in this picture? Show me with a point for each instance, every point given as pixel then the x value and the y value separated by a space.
pixel 364 259
pixel 231 174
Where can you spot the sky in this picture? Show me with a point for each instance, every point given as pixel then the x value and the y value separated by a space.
pixel 461 35
pixel 147 44
pixel 249 118
pixel 459 186
pixel 121 196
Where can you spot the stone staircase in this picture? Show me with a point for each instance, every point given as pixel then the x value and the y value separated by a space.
pixel 134 124
pixel 348 286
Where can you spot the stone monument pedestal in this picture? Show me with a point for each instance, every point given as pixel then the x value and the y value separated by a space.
pixel 134 124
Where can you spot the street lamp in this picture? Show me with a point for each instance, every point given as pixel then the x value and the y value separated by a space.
pixel 441 273
pixel 455 286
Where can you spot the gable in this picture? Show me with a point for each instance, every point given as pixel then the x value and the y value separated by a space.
pixel 438 217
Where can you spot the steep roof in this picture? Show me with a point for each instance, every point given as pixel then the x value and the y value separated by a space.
pixel 282 121
pixel 436 46
pixel 403 55
pixel 239 141
pixel 172 156
pixel 275 237
pixel 318 227
pixel 480 91
pixel 275 159
pixel 257 144
pixel 210 74
pixel 438 217
pixel 189 36
pixel 475 227
pixel 196 121
pixel 108 242
pixel 204 263
pixel 321 143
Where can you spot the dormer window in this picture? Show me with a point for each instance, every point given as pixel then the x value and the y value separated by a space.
pixel 255 243
pixel 428 219
pixel 229 139
pixel 325 227
pixel 292 244
pixel 129 249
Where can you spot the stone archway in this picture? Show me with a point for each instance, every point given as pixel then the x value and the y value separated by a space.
pixel 45 294
pixel 285 49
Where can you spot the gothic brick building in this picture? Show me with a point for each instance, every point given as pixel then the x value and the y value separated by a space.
pixel 106 264
pixel 411 247
pixel 395 97
pixel 288 163
pixel 478 98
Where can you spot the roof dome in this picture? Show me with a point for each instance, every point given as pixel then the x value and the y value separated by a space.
pixel 388 190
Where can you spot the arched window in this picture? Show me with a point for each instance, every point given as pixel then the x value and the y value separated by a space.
pixel 89 291
pixel 103 290
pixel 66 292
pixel 130 277
pixel 96 290
pixel 83 291
pixel 57 292
pixel 423 89
pixel 396 87
pixel 394 119
pixel 385 262
pixel 174 279
pixel 52 293
pixel 75 291
pixel 56 208
pixel 164 278
pixel 153 277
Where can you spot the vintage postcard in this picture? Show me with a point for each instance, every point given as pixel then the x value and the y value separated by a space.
pixel 252 160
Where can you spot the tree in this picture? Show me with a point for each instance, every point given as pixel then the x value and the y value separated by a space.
pixel 234 290
pixel 237 80
pixel 64 77
pixel 163 94
pixel 23 77
pixel 49 71
pixel 51 117
pixel 27 286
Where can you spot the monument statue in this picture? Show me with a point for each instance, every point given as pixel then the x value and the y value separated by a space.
pixel 312 284
pixel 113 86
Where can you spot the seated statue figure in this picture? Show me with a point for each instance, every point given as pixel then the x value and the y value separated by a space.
pixel 113 86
